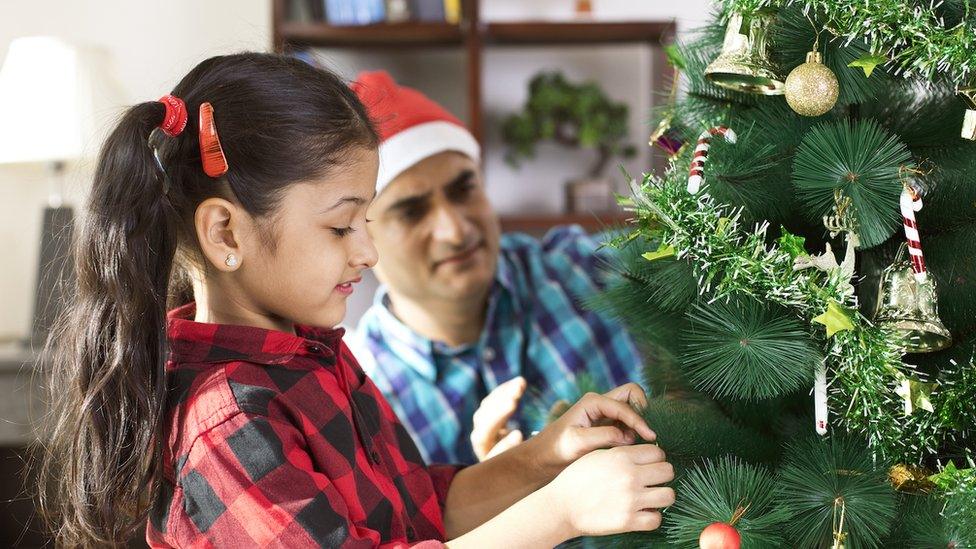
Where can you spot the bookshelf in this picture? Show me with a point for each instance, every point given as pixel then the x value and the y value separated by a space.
pixel 473 36
pixel 388 35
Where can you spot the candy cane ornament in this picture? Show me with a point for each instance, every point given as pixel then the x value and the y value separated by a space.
pixel 820 409
pixel 697 171
pixel 910 203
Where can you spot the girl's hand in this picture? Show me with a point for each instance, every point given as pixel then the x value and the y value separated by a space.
pixel 594 422
pixel 612 491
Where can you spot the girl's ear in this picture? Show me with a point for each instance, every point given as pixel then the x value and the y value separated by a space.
pixel 220 226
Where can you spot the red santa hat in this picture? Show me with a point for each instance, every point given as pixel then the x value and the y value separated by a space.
pixel 411 126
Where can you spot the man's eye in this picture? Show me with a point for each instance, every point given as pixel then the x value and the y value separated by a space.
pixel 461 191
pixel 342 231
pixel 413 213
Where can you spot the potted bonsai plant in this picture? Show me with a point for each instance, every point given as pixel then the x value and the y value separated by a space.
pixel 577 116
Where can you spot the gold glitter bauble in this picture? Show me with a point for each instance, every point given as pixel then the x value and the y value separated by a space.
pixel 811 88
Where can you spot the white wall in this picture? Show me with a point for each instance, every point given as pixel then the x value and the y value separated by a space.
pixel 152 43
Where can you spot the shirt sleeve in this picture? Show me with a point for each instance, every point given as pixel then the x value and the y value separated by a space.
pixel 572 248
pixel 250 482
pixel 442 476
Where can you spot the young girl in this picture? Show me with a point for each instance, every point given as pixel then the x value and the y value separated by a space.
pixel 241 418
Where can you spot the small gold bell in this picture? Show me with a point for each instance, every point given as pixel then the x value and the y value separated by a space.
pixel 969 120
pixel 744 64
pixel 911 306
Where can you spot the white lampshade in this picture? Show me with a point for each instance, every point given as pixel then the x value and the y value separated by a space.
pixel 48 92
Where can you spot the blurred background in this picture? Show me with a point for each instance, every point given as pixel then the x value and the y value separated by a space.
pixel 70 67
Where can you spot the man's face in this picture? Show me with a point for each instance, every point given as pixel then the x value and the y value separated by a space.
pixel 435 231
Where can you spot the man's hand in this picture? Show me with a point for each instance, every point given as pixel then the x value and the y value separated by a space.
pixel 596 421
pixel 489 437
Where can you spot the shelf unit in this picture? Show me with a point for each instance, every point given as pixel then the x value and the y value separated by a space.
pixel 472 36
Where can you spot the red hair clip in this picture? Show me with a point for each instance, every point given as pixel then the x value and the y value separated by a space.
pixel 174 122
pixel 211 153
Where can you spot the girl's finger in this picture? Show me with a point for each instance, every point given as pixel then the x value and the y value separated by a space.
pixel 594 407
pixel 644 454
pixel 656 498
pixel 631 393
pixel 654 474
pixel 594 438
pixel 645 520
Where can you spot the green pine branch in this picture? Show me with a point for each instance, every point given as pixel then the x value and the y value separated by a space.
pixel 950 260
pixel 820 478
pixel 794 35
pixel 928 521
pixel 691 429
pixel 747 350
pixel 916 37
pixel 731 259
pixel 860 160
pixel 719 490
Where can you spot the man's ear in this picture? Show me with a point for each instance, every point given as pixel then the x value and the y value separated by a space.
pixel 220 226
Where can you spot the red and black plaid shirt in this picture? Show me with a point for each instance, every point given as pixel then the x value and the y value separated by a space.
pixel 280 439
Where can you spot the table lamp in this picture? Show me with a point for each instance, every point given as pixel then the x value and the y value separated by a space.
pixel 48 92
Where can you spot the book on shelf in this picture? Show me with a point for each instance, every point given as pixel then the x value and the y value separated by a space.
pixel 305 11
pixel 452 11
pixel 397 11
pixel 427 10
pixel 368 12
pixel 355 12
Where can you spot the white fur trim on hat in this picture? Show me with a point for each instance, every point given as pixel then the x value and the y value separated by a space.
pixel 401 151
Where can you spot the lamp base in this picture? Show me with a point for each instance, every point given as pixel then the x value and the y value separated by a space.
pixel 55 271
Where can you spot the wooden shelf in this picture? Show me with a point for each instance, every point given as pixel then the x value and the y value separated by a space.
pixel 535 223
pixel 383 35
pixel 596 32
pixel 417 34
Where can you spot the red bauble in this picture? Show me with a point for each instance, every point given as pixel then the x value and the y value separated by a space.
pixel 719 535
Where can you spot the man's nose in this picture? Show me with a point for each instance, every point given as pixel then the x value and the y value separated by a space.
pixel 449 225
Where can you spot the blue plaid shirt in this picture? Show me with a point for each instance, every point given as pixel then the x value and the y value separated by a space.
pixel 535 327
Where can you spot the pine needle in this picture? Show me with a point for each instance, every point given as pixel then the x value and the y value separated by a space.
pixel 717 491
pixel 747 350
pixel 861 160
pixel 815 473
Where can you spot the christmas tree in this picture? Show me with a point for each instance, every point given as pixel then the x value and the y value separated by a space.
pixel 812 327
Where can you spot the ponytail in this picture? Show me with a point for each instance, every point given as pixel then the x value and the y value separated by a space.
pixel 103 449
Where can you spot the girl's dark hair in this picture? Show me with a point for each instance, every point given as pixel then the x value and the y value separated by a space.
pixel 280 121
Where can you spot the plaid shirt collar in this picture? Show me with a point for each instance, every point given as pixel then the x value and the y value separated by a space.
pixel 196 342
pixel 398 333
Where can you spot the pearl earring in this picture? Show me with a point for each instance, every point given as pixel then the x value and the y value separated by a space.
pixel 231 260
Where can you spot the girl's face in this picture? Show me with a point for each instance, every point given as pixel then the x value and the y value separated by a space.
pixel 302 263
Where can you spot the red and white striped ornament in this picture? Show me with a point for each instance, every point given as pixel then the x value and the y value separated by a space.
pixel 911 202
pixel 697 171
pixel 820 408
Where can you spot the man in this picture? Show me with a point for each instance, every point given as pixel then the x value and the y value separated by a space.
pixel 466 316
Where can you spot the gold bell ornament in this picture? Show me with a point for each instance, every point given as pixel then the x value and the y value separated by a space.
pixel 969 120
pixel 744 65
pixel 911 306
pixel 908 301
